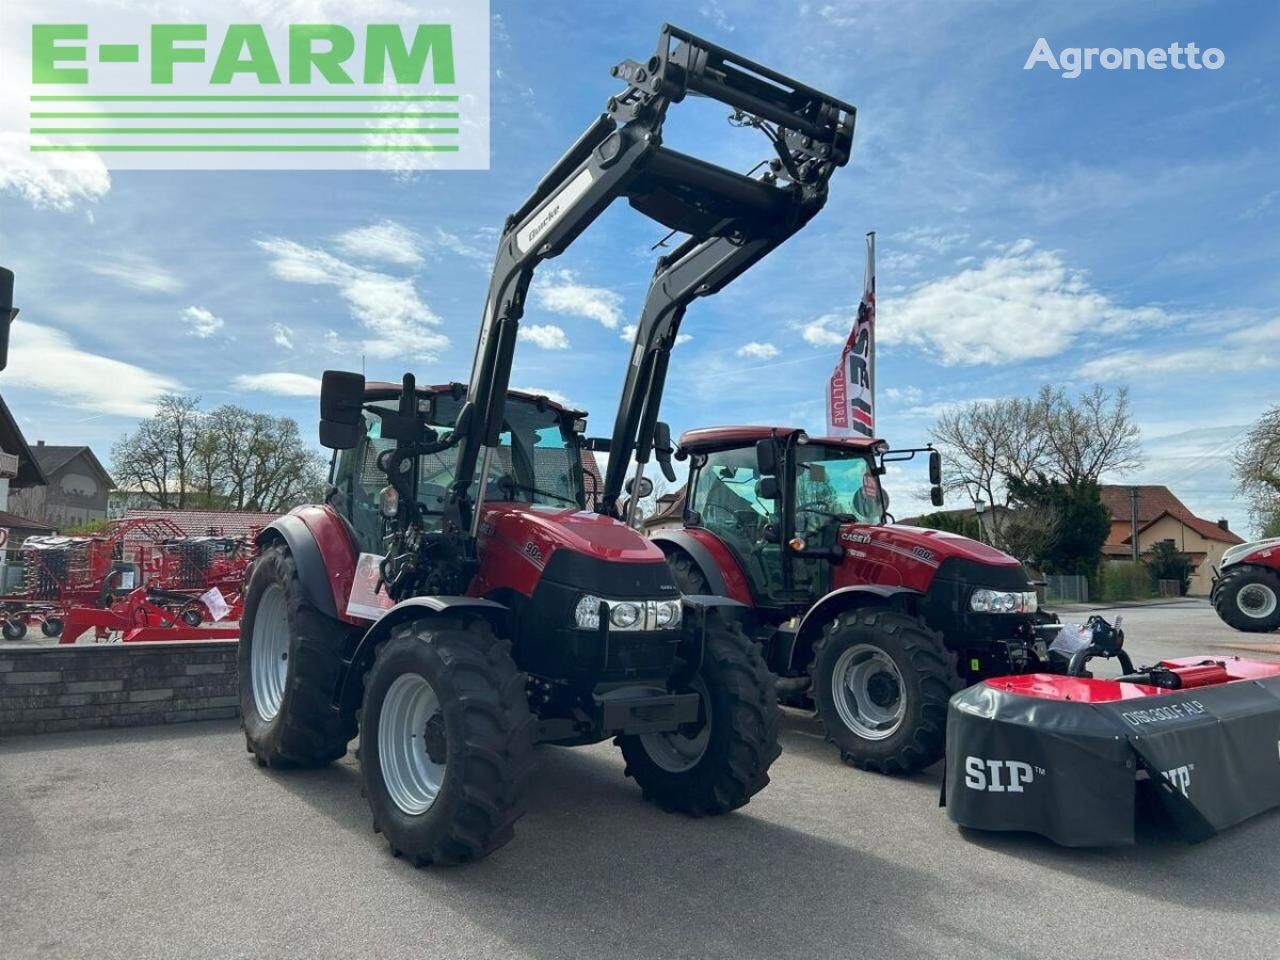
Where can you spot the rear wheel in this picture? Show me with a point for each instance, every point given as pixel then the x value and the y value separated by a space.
pixel 52 627
pixel 1248 598
pixel 881 681
pixel 720 761
pixel 446 741
pixel 290 659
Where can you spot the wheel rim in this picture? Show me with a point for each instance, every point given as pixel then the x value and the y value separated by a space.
pixel 269 658
pixel 677 751
pixel 1256 600
pixel 412 750
pixel 867 688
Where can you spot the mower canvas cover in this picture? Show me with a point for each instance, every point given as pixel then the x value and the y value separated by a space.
pixel 1061 755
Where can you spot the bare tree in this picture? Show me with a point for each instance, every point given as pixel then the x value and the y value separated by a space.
pixel 157 458
pixel 984 443
pixel 1257 470
pixel 1091 436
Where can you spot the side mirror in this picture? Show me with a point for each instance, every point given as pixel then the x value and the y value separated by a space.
pixel 766 458
pixel 767 488
pixel 341 402
pixel 662 449
pixel 7 313
pixel 935 468
pixel 646 487
pixel 935 496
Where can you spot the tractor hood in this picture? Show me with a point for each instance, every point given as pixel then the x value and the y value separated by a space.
pixel 518 541
pixel 935 546
pixel 1259 551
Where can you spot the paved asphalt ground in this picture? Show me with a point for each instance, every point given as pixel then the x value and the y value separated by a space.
pixel 169 842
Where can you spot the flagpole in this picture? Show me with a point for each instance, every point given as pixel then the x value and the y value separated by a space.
pixel 871 268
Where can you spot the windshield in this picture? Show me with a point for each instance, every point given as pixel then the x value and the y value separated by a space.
pixel 837 480
pixel 537 461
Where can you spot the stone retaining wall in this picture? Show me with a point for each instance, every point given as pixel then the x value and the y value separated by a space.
pixel 80 687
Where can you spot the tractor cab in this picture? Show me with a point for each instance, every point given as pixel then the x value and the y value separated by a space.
pixel 538 459
pixel 778 501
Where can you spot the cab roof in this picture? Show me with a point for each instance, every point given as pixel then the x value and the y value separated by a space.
pixel 706 439
pixel 385 390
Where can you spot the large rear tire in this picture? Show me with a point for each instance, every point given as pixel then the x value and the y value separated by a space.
pixel 446 741
pixel 723 760
pixel 1248 598
pixel 290 659
pixel 881 681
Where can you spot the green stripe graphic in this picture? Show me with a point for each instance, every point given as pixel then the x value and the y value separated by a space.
pixel 366 115
pixel 62 131
pixel 245 98
pixel 244 148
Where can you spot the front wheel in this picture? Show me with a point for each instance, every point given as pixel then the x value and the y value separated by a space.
pixel 881 681
pixel 1248 598
pixel 720 761
pixel 14 629
pixel 446 741
pixel 290 659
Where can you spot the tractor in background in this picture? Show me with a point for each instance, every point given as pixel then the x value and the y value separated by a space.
pixel 870 623
pixel 454 602
pixel 1246 588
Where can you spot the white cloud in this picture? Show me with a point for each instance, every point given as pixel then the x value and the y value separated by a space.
pixel 555 396
pixel 284 384
pixel 1021 304
pixel 282 335
pixel 80 178
pixel 454 244
pixel 560 292
pixel 829 330
pixel 682 338
pixel 46 359
pixel 202 322
pixel 548 337
pixel 139 272
pixel 628 334
pixel 907 395
pixel 387 240
pixel 1244 348
pixel 760 351
pixel 398 322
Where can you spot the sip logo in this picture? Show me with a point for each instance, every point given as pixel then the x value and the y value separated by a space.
pixel 1179 778
pixel 999 776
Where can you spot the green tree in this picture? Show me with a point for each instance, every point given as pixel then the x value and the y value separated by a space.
pixel 1071 520
pixel 1166 563
pixel 961 522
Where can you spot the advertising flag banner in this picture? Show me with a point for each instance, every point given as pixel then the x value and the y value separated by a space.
pixel 851 390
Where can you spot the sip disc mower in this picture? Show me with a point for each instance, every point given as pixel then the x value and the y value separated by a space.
pixel 453 602
pixel 1246 590
pixel 870 623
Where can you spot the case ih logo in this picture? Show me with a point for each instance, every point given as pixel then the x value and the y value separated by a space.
pixel 999 776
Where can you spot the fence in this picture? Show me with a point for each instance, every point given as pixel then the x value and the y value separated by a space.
pixel 1067 588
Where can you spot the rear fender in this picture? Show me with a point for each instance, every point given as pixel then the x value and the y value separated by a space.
pixel 323 555
pixel 415 608
pixel 830 606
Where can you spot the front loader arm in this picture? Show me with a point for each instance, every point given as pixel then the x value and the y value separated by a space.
pixel 732 219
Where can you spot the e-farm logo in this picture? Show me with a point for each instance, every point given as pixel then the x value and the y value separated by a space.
pixel 1070 62
pixel 223 92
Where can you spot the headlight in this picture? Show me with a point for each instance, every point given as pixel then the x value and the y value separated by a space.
pixel 667 614
pixel 624 614
pixel 389 502
pixel 627 614
pixel 587 613
pixel 1002 601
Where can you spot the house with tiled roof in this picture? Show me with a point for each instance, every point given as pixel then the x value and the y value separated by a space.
pixel 19 472
pixel 1160 515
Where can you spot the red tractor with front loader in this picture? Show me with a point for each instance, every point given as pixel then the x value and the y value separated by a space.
pixel 453 602
pixel 1246 588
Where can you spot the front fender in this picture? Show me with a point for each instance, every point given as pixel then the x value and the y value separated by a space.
pixel 414 608
pixel 322 553
pixel 845 598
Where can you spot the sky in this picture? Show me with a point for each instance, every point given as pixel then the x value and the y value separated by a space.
pixel 1119 227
